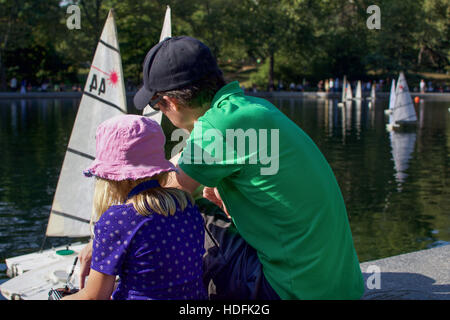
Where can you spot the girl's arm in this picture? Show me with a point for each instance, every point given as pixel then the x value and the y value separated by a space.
pixel 85 258
pixel 99 286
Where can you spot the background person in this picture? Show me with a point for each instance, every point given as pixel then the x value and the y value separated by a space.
pixel 13 84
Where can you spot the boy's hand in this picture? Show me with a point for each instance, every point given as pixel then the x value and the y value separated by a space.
pixel 212 194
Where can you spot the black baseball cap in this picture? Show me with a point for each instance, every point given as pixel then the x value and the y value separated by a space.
pixel 173 64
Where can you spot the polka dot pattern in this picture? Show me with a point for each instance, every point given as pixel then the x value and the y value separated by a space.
pixel 155 257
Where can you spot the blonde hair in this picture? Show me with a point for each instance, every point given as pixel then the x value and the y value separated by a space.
pixel 160 200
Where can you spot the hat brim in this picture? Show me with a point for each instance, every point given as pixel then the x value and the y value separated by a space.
pixel 120 172
pixel 142 98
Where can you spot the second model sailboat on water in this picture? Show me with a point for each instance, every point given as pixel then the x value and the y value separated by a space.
pixel 103 97
pixel 402 115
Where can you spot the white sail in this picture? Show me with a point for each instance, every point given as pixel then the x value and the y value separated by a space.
pixel 167 26
pixel 166 32
pixel 402 144
pixel 404 108
pixel 103 98
pixel 348 92
pixel 392 96
pixel 358 94
pixel 373 94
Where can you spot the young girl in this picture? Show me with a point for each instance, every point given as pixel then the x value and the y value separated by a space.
pixel 149 236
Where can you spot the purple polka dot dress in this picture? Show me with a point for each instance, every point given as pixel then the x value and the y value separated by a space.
pixel 155 257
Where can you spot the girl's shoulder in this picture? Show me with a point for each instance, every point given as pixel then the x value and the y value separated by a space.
pixel 118 214
pixel 191 210
pixel 118 208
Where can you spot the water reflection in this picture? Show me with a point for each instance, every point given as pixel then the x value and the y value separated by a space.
pixel 14 117
pixel 402 144
pixel 33 139
pixel 395 186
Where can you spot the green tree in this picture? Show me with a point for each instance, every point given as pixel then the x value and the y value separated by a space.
pixel 26 29
pixel 433 39
pixel 287 40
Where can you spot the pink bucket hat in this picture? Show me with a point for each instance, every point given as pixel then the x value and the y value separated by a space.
pixel 129 147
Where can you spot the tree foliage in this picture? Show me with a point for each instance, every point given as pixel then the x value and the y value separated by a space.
pixel 288 40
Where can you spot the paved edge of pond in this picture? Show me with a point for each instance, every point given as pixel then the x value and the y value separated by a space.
pixel 421 275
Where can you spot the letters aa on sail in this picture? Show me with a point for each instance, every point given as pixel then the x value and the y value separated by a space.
pixel 103 98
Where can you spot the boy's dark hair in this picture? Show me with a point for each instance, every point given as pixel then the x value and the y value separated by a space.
pixel 198 94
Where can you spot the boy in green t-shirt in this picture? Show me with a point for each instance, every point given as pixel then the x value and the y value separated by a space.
pixel 288 236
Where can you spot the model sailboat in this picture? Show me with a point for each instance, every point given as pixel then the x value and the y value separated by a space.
pixel 344 89
pixel 403 114
pixel 103 97
pixel 358 94
pixel 348 92
pixel 372 92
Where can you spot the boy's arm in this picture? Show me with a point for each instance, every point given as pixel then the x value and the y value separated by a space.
pixel 180 179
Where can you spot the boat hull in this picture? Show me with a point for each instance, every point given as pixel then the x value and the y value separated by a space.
pixel 36 273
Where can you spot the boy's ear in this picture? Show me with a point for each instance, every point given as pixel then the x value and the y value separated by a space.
pixel 172 103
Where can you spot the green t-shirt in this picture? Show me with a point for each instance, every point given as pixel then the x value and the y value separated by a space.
pixel 281 193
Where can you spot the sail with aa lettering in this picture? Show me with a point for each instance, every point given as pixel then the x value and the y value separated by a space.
pixel 103 97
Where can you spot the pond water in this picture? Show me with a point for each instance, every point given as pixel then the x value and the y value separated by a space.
pixel 395 204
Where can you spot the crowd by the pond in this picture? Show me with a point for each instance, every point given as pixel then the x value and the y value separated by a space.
pixel 326 85
pixel 335 85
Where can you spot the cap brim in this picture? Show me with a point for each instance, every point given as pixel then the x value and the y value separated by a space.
pixel 142 98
